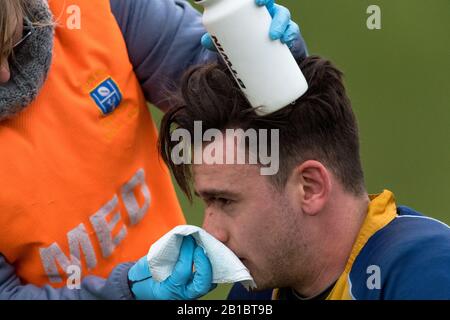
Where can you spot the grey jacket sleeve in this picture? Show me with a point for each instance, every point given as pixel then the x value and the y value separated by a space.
pixel 163 40
pixel 91 288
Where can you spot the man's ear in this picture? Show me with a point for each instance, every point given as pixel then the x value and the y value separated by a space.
pixel 314 183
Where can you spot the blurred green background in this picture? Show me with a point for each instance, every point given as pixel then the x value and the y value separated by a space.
pixel 398 79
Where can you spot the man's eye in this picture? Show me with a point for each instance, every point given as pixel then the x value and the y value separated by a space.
pixel 219 201
pixel 223 201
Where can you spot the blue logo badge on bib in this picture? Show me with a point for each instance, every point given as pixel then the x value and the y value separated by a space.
pixel 107 96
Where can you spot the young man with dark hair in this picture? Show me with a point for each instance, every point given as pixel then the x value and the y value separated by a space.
pixel 310 231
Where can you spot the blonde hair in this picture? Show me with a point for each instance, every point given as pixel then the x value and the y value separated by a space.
pixel 11 13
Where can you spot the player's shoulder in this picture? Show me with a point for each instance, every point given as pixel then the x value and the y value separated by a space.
pixel 409 231
pixel 410 256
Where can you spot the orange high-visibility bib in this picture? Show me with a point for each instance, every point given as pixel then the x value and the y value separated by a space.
pixel 82 183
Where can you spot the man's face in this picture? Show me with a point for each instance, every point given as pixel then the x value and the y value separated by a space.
pixel 259 224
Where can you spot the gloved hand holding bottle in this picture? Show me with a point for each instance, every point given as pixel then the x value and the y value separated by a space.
pixel 282 27
pixel 182 284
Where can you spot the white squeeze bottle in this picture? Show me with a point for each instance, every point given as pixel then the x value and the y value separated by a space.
pixel 265 69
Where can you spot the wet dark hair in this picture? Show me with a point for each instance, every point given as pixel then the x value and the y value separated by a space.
pixel 319 126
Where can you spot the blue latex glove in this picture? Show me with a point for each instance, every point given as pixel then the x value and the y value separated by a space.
pixel 282 27
pixel 182 284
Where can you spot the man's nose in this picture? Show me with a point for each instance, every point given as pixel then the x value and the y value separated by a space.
pixel 4 72
pixel 214 226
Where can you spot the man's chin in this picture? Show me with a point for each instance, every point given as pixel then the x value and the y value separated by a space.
pixel 260 281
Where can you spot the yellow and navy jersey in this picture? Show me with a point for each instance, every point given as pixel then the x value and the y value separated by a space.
pixel 398 254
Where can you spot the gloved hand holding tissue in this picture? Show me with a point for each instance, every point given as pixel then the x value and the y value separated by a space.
pixel 182 284
pixel 166 272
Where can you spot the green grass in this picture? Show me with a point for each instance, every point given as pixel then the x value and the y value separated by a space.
pixel 398 80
